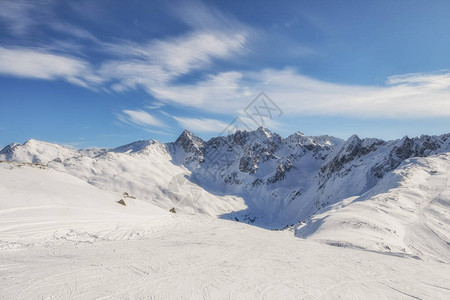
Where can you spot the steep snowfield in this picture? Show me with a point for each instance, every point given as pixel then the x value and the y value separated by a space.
pixel 407 212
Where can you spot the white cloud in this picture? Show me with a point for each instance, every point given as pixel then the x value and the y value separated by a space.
pixel 155 64
pixel 21 17
pixel 413 95
pixel 410 95
pixel 201 124
pixel 151 66
pixel 140 117
pixel 70 29
pixel 20 62
pixel 211 94
pixel 155 105
pixel 199 16
pixel 420 95
pixel 132 74
pixel 17 15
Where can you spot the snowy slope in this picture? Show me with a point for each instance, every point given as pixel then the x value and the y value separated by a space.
pixel 408 212
pixel 145 170
pixel 36 152
pixel 36 202
pixel 200 257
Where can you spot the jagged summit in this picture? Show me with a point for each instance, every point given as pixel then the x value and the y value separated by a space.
pixel 191 149
pixel 188 137
pixel 264 131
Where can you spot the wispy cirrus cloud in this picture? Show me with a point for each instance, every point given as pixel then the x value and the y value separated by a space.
pixel 201 17
pixel 144 121
pixel 27 63
pixel 140 117
pixel 22 17
pixel 201 124
pixel 218 90
pixel 404 96
pixel 17 16
pixel 156 63
pixel 148 66
pixel 71 30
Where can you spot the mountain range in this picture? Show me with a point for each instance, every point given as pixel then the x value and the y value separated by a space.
pixel 387 196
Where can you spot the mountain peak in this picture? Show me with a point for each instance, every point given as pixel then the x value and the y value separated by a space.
pixel 36 152
pixel 37 143
pixel 186 132
pixel 9 148
pixel 354 137
pixel 135 146
pixel 191 144
pixel 32 142
pixel 187 135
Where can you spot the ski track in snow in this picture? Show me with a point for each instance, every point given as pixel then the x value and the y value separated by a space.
pixel 205 258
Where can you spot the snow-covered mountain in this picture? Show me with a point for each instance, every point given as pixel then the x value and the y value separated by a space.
pixel 256 177
pixel 408 212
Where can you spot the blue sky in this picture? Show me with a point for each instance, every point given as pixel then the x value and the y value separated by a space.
pixel 104 73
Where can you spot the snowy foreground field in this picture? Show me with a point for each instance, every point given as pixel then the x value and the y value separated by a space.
pixel 61 238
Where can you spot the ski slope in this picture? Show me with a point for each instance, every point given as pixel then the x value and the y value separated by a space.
pixel 206 258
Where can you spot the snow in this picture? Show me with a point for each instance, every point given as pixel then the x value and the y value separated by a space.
pixel 366 219
pixel 62 238
pixel 37 202
pixel 146 170
pixel 407 212
pixel 200 257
